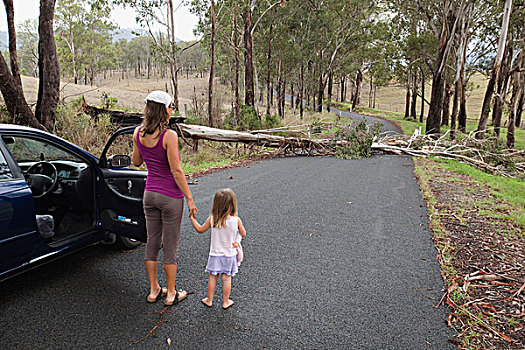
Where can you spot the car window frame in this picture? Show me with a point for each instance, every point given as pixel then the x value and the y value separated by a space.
pixel 66 147
pixel 16 171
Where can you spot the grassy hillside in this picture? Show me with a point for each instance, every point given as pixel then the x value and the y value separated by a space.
pixel 392 98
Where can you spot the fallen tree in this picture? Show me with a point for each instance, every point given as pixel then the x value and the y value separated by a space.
pixel 356 142
pixel 119 117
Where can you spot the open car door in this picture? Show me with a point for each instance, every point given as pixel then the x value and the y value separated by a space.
pixel 121 189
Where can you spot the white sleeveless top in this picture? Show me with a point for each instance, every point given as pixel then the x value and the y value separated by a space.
pixel 221 242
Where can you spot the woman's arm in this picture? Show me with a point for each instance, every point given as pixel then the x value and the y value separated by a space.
pixel 241 228
pixel 136 158
pixel 201 228
pixel 172 149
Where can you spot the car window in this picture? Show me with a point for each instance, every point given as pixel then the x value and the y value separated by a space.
pixel 5 171
pixel 25 149
pixel 123 145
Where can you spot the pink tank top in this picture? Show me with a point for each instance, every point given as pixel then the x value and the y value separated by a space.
pixel 159 179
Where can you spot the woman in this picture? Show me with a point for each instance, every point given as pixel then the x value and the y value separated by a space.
pixel 166 187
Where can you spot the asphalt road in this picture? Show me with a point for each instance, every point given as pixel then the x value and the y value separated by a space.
pixel 338 256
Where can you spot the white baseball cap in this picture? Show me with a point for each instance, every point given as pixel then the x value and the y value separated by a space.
pixel 159 97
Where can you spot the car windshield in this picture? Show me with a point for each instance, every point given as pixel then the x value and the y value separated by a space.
pixel 27 150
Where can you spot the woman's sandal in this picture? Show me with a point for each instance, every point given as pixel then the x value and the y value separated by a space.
pixel 162 292
pixel 178 297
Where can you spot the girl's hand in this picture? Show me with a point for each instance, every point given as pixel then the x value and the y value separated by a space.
pixel 201 228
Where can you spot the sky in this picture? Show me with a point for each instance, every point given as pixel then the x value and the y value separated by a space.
pixel 30 9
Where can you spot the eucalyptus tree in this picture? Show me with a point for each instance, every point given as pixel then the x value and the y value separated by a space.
pixel 483 119
pixel 518 78
pixel 194 58
pixel 445 22
pixel 49 79
pixel 121 47
pixel 251 12
pixel 10 81
pixel 276 56
pixel 511 75
pixel 84 38
pixel 459 112
pixel 505 75
pixel 215 27
pixel 160 13
pixel 98 47
pixel 27 42
pixel 364 42
pixel 70 36
pixel 139 55
pixel 381 51
pixel 413 56
pixel 48 67
pixel 13 55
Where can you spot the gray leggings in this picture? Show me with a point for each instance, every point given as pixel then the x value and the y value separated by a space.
pixel 163 221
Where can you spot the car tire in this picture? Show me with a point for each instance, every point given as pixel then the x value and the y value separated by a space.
pixel 127 243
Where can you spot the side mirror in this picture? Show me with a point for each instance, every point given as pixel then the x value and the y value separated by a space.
pixel 119 161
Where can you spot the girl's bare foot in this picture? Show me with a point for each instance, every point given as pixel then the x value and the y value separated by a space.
pixel 207 302
pixel 227 304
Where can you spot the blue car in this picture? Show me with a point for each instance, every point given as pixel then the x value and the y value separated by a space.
pixel 56 198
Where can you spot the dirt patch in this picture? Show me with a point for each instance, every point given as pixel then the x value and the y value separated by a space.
pixel 130 93
pixel 482 254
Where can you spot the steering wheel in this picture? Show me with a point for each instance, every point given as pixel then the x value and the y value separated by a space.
pixel 41 178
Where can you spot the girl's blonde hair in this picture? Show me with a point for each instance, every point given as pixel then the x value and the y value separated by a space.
pixel 155 116
pixel 224 205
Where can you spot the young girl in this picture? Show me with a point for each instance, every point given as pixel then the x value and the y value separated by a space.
pixel 222 260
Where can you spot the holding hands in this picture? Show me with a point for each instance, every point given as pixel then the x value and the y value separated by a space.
pixel 192 208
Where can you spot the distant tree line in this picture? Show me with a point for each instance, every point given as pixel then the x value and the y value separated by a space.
pixel 311 51
pixel 305 48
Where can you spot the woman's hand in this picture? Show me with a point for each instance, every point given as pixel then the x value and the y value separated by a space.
pixel 192 208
